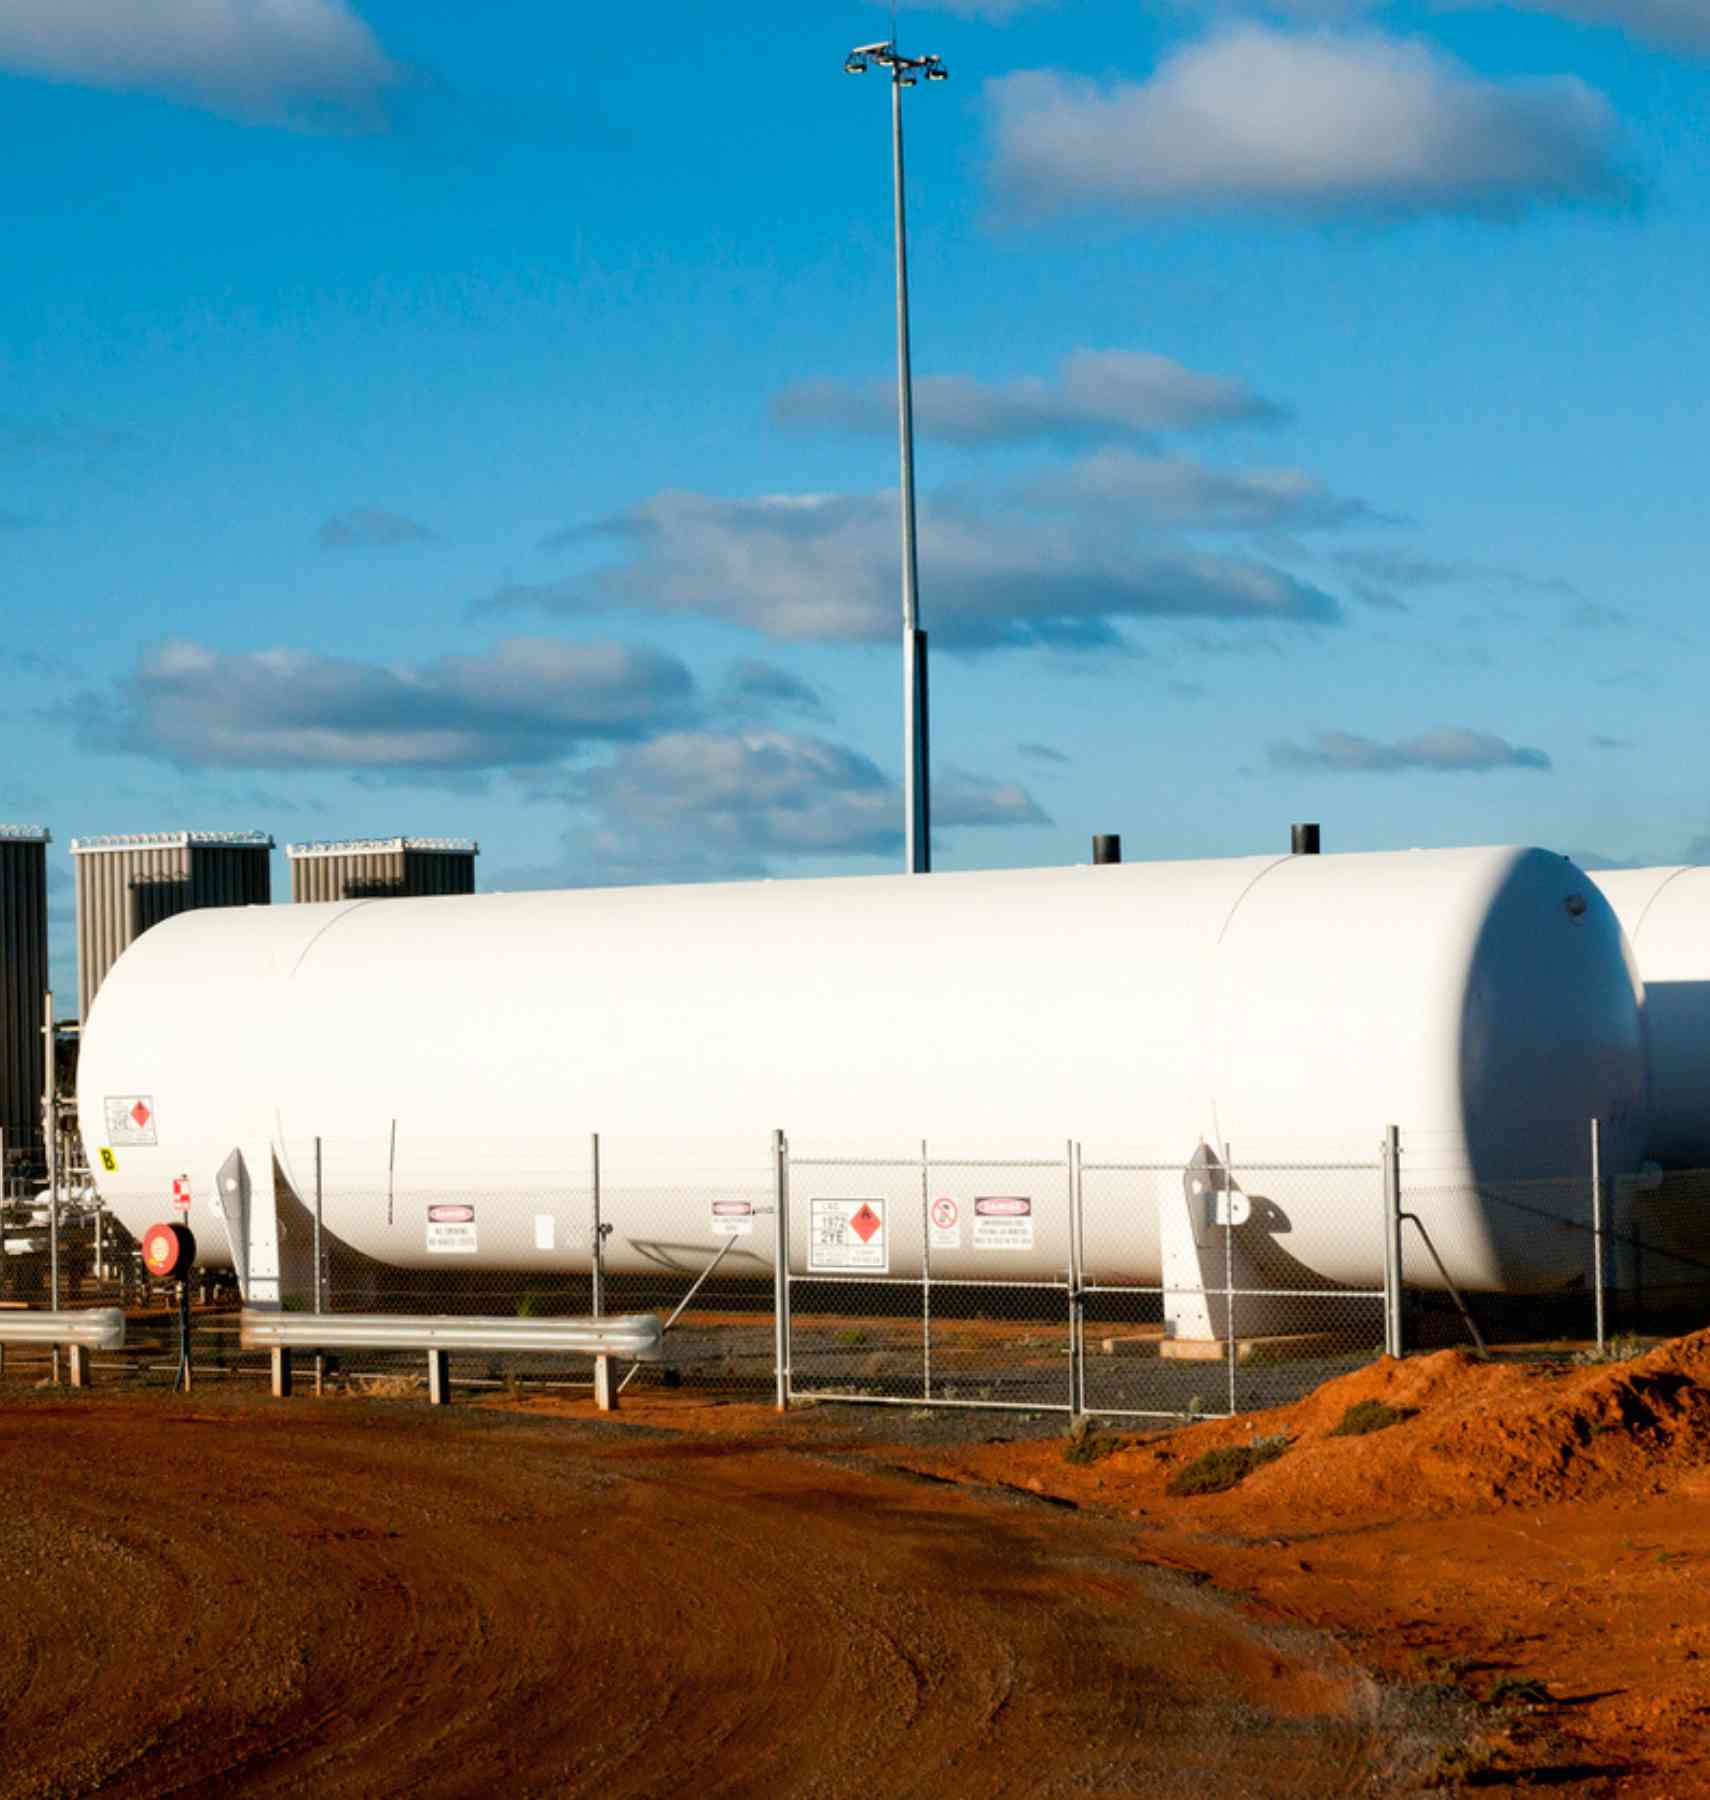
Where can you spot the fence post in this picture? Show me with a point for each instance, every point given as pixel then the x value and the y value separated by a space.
pixel 599 1257
pixel 1077 1319
pixel 320 1364
pixel 50 1136
pixel 1229 1268
pixel 1392 1264
pixel 925 1273
pixel 781 1266
pixel 1598 1259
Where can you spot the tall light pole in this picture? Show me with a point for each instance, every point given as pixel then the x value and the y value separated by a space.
pixel 917 762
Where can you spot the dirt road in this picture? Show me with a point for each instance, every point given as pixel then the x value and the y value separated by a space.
pixel 221 1595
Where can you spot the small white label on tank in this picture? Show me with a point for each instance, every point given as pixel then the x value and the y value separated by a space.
pixel 545 1231
pixel 451 1230
pixel 946 1220
pixel 1003 1222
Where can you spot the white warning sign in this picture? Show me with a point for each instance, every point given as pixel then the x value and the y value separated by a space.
pixel 944 1221
pixel 545 1231
pixel 1003 1222
pixel 733 1218
pixel 130 1118
pixel 847 1236
pixel 451 1230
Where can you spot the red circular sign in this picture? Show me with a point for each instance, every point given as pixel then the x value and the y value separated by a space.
pixel 944 1213
pixel 168 1250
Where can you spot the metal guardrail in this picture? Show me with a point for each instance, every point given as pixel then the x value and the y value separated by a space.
pixel 635 1337
pixel 99 1328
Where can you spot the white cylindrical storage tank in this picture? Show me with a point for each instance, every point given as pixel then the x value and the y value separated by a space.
pixel 1665 913
pixel 1481 999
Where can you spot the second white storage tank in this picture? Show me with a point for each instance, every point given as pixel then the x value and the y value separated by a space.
pixel 1665 913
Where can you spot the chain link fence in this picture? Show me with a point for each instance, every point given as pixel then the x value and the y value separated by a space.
pixel 955 1273
pixel 1239 1320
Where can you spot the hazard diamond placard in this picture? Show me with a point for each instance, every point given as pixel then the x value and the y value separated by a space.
pixel 848 1236
pixel 130 1118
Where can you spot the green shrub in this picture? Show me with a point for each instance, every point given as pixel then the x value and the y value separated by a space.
pixel 1366 1416
pixel 1621 1348
pixel 1518 1691
pixel 1219 1470
pixel 1081 1444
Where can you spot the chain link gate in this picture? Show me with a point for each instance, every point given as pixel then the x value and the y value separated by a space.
pixel 899 1286
pixel 901 1283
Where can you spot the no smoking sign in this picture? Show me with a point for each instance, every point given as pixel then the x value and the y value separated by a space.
pixel 946 1218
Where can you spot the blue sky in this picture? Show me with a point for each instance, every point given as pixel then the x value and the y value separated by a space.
pixel 417 419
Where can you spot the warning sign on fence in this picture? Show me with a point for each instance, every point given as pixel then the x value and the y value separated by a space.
pixel 733 1218
pixel 451 1230
pixel 846 1236
pixel 1003 1222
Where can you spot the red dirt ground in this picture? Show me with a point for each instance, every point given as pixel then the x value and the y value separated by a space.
pixel 1529 1524
pixel 221 1595
pixel 352 1597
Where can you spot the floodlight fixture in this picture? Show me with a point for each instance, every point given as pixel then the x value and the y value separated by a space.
pixel 917 763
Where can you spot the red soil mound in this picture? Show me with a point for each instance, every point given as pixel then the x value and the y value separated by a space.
pixel 1481 1435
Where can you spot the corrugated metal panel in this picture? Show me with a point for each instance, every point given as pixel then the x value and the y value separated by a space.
pixel 376 868
pixel 23 982
pixel 438 872
pixel 127 884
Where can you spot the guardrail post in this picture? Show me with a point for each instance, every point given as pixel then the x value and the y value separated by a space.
pixel 781 1266
pixel 605 1389
pixel 78 1358
pixel 1392 1264
pixel 439 1378
pixel 281 1355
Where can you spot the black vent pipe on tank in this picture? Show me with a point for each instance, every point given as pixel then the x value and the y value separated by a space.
pixel 1107 848
pixel 1303 840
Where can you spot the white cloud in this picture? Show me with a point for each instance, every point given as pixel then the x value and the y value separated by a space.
pixel 1450 749
pixel 824 567
pixel 1677 24
pixel 990 12
pixel 303 63
pixel 529 700
pixel 1681 24
pixel 1314 121
pixel 1168 490
pixel 728 800
pixel 1098 393
pixel 370 528
pixel 754 690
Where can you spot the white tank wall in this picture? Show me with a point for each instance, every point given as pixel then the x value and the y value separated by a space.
pixel 1665 913
pixel 1264 1002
